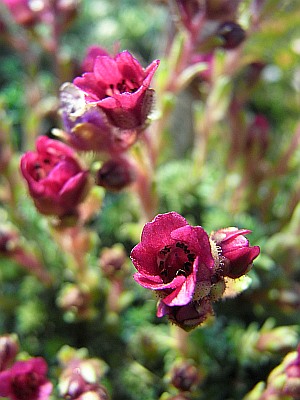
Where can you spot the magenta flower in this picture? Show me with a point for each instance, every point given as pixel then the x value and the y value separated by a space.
pixel 120 87
pixel 175 259
pixel 236 253
pixel 55 179
pixel 26 380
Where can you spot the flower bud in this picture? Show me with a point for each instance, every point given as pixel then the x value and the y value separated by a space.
pixel 116 174
pixel 112 260
pixel 75 300
pixel 185 376
pixel 8 242
pixel 231 34
pixel 236 254
pixel 280 339
pixel 9 347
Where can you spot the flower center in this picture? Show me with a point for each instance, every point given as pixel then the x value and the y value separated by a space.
pixel 26 386
pixel 174 260
pixel 44 165
pixel 126 85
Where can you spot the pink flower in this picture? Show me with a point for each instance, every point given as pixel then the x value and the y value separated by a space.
pixel 235 250
pixel 55 179
pixel 26 380
pixel 120 87
pixel 175 260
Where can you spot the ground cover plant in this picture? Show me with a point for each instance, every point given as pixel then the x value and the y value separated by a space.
pixel 149 200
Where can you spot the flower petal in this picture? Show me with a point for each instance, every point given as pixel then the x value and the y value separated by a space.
pixel 183 294
pixel 157 233
pixel 197 240
pixel 156 283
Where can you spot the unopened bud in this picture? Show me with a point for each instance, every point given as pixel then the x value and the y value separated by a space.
pixel 116 174
pixel 75 300
pixel 185 376
pixel 231 34
pixel 7 242
pixel 112 259
pixel 283 338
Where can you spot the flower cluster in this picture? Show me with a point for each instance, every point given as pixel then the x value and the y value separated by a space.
pixel 103 111
pixel 187 268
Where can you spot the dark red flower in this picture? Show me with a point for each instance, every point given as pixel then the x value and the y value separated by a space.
pixel 55 179
pixel 175 259
pixel 120 87
pixel 231 34
pixel 26 380
pixel 235 250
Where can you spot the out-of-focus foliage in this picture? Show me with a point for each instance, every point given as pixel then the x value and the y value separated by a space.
pixel 206 169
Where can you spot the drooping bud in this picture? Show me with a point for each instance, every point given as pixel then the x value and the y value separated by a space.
pixel 231 34
pixel 116 174
pixel 275 340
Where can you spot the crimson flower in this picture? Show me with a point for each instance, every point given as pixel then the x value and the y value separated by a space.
pixel 235 250
pixel 55 179
pixel 120 87
pixel 175 259
pixel 26 380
